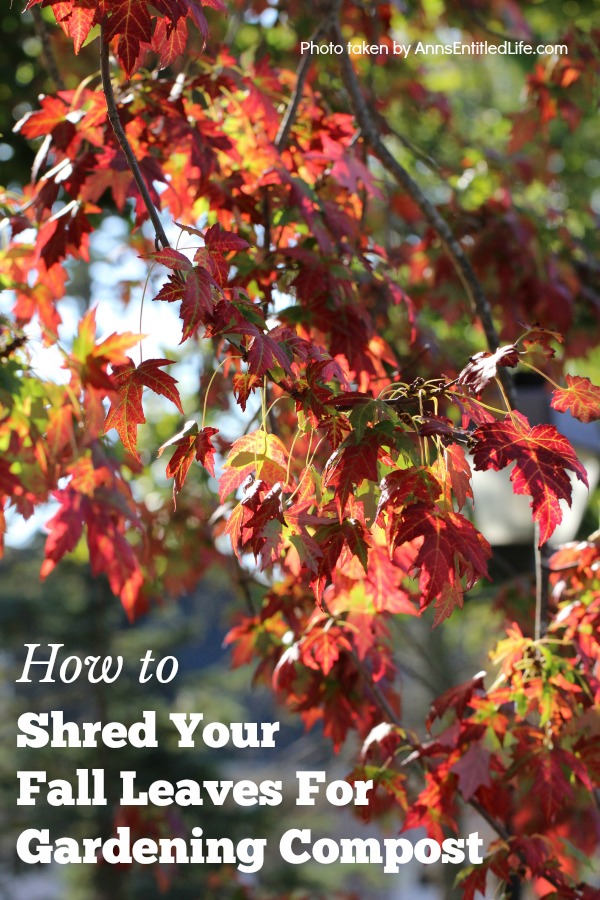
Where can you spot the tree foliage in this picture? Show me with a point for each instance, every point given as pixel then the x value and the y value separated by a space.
pixel 357 261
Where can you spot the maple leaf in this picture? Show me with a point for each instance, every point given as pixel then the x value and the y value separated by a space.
pixel 205 450
pixel 76 19
pixel 90 360
pixel 169 40
pixel 171 259
pixel 188 447
pixel 264 354
pixel 321 648
pixel 264 523
pixel 130 21
pixel 112 554
pixel 336 429
pixel 257 453
pixel 483 367
pixel 471 409
pixel 472 881
pixel 197 303
pixel 473 770
pixel 538 340
pixel 355 464
pixel 218 240
pixel 542 456
pixel 243 385
pixel 37 299
pixel 581 398
pixel 459 472
pixel 350 465
pixel 217 243
pixel 65 528
pixel 451 549
pixel 404 486
pixel 457 698
pixel 172 290
pixel 126 413
pixel 42 122
pixel 384 582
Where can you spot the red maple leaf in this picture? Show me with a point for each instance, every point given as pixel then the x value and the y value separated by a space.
pixel 169 40
pixel 483 367
pixel 321 648
pixel 65 529
pixel 459 471
pixel 404 486
pixel 383 584
pixel 195 445
pixel 197 303
pixel 543 459
pixel 539 340
pixel 244 383
pixel 473 770
pixel 219 241
pixel 258 453
pixel 94 500
pixel 451 550
pixel 130 21
pixel 265 354
pixel 76 19
pixel 457 698
pixel 126 412
pixel 581 398
pixel 41 122
pixel 350 465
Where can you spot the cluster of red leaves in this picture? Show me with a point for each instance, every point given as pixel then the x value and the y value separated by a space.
pixel 136 26
pixel 522 750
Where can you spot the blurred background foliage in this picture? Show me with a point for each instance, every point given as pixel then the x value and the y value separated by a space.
pixel 451 120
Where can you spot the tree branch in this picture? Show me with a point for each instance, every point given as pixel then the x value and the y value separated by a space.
pixel 301 76
pixel 47 51
pixel 479 302
pixel 115 121
pixel 542 585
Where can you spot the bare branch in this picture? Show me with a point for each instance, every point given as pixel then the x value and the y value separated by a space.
pixel 542 584
pixel 301 76
pixel 115 121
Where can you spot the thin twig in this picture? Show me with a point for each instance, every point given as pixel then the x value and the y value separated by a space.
pixel 301 76
pixel 453 248
pixel 482 24
pixel 115 121
pixel 386 708
pixel 542 585
pixel 48 53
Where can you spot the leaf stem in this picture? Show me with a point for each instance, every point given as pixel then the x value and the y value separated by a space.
pixel 543 374
pixel 212 378
pixel 115 121
pixel 509 405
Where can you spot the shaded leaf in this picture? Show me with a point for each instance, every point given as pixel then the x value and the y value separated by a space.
pixel 581 398
pixel 543 459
